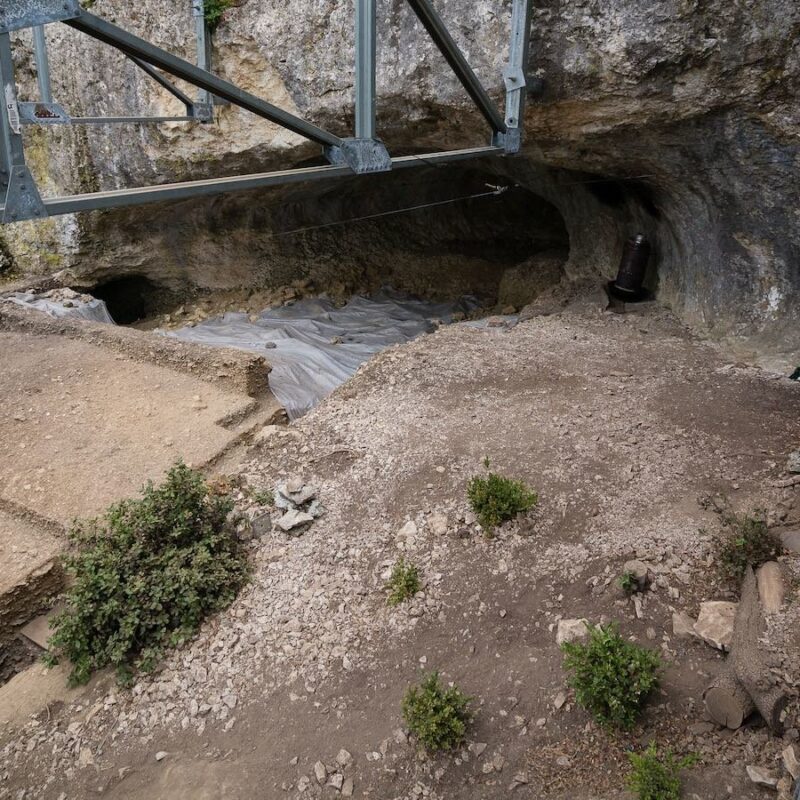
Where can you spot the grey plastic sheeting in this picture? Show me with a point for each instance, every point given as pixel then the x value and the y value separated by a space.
pixel 93 310
pixel 313 346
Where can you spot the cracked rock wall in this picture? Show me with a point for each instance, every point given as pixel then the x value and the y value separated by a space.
pixel 678 118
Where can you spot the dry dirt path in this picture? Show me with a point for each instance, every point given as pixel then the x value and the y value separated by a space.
pixel 621 422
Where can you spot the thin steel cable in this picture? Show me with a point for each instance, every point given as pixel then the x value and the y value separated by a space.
pixel 494 193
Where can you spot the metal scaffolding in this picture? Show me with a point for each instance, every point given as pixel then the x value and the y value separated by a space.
pixel 360 154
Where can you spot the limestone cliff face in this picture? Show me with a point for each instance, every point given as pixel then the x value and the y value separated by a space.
pixel 678 118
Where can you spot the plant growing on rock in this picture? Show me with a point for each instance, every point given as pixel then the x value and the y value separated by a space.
pixel 747 542
pixel 657 777
pixel 438 716
pixel 146 575
pixel 403 583
pixel 214 10
pixel 495 498
pixel 628 583
pixel 612 677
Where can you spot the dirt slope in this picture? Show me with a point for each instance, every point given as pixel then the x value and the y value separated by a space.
pixel 621 422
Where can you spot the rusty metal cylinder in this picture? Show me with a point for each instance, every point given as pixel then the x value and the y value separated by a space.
pixel 633 265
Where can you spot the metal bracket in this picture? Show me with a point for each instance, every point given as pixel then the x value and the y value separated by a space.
pixel 510 141
pixel 514 78
pixel 203 112
pixel 17 14
pixel 23 200
pixel 361 155
pixel 43 114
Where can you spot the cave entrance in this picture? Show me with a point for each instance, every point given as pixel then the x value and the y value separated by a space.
pixel 130 298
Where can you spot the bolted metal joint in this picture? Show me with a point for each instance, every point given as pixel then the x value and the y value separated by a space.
pixel 17 14
pixel 23 200
pixel 361 155
pixel 510 141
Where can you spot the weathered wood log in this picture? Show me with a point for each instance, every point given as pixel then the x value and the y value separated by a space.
pixel 727 701
pixel 770 587
pixel 746 672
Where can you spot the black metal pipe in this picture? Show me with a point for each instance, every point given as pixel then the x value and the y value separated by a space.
pixel 455 58
pixel 162 81
pixel 139 48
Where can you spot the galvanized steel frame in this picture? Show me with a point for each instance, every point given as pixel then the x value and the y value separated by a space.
pixel 362 153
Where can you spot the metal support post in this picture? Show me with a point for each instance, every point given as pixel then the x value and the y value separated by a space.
pixel 364 153
pixel 134 46
pixel 205 99
pixel 366 45
pixel 455 58
pixel 22 199
pixel 42 64
pixel 515 76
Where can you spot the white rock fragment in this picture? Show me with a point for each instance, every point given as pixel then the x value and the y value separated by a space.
pixel 347 787
pixel 682 624
pixel 715 623
pixel 571 630
pixel 343 758
pixel 320 772
pixel 292 520
pixel 790 762
pixel 438 524
pixel 762 776
pixel 161 755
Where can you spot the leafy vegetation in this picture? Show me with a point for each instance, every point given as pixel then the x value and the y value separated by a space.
pixel 612 677
pixel 214 12
pixel 657 777
pixel 403 583
pixel 436 715
pixel 495 499
pixel 747 541
pixel 146 575
pixel 264 497
pixel 628 583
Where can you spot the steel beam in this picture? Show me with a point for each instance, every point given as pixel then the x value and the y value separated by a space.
pixel 42 64
pixel 162 81
pixel 22 199
pixel 515 73
pixel 204 98
pixel 455 58
pixel 134 46
pixel 18 14
pixel 191 189
pixel 366 46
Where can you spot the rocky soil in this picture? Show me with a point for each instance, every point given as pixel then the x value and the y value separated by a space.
pixel 626 425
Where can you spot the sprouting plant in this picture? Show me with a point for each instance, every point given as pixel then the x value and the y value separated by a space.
pixel 612 677
pixel 403 583
pixel 628 583
pixel 214 10
pixel 264 497
pixel 746 542
pixel 438 716
pixel 146 575
pixel 495 498
pixel 657 777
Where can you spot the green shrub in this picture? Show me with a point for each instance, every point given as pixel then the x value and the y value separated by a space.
pixel 214 11
pixel 612 677
pixel 747 541
pixel 264 497
pixel 436 715
pixel 495 499
pixel 403 583
pixel 146 575
pixel 655 777
pixel 628 583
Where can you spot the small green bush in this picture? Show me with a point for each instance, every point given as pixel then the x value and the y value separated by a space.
pixel 436 715
pixel 146 575
pixel 403 583
pixel 495 499
pixel 214 11
pixel 747 542
pixel 628 583
pixel 612 677
pixel 264 497
pixel 655 777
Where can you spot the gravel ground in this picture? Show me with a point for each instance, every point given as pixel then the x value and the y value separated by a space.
pixel 622 423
